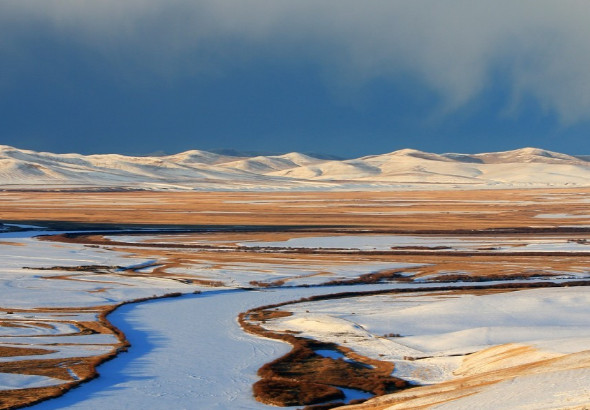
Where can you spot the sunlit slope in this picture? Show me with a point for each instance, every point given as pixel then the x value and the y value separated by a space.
pixel 403 169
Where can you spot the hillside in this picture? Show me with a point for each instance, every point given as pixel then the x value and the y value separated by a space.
pixel 201 170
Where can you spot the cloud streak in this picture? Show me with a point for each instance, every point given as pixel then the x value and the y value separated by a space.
pixel 455 47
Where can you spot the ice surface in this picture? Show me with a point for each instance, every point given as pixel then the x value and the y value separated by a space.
pixel 201 359
pixel 25 381
pixel 456 243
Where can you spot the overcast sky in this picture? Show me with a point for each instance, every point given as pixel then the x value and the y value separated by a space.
pixel 332 76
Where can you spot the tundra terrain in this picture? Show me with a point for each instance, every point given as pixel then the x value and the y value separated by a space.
pixel 408 299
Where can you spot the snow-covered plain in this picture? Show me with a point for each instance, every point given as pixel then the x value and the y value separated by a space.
pixel 242 273
pixel 24 381
pixel 403 169
pixel 456 243
pixel 442 326
pixel 202 359
pixel 22 286
pixel 26 284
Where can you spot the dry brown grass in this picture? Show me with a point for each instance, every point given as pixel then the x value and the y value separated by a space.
pixel 477 209
pixel 438 266
pixel 284 392
pixel 11 243
pixel 9 351
pixel 18 398
pixel 84 368
pixel 303 377
pixel 314 213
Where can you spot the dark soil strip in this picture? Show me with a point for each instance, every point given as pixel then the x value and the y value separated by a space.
pixel 303 377
pixel 131 229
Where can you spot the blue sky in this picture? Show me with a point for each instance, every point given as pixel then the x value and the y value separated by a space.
pixel 338 77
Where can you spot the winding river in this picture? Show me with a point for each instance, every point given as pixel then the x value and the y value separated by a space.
pixel 186 353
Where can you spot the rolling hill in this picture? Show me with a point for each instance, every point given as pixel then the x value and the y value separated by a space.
pixel 201 170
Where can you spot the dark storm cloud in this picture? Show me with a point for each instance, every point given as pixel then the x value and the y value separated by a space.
pixel 294 74
pixel 453 45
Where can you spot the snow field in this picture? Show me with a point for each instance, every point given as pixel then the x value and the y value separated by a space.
pixel 202 356
pixel 200 170
pixel 455 243
pixel 527 328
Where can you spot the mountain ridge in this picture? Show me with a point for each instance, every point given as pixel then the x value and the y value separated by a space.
pixel 203 170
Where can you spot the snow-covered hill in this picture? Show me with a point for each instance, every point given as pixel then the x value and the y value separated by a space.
pixel 403 169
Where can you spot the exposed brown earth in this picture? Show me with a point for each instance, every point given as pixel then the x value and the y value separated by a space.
pixel 303 377
pixel 414 210
pixel 8 351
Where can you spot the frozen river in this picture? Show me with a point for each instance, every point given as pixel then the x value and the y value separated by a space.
pixel 186 353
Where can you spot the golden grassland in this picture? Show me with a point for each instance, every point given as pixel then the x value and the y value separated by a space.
pixel 404 210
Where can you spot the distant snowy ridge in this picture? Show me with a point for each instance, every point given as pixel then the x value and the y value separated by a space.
pixel 201 170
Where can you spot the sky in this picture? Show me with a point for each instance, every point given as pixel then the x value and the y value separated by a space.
pixel 339 77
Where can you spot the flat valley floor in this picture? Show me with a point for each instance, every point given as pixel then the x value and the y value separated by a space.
pixel 412 299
